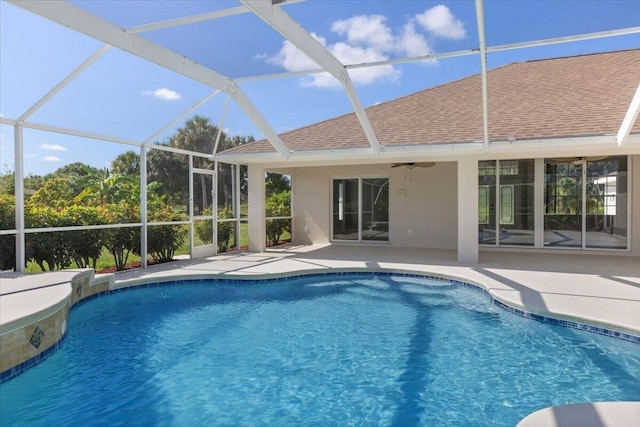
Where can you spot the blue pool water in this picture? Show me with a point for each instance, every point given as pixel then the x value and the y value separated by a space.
pixel 325 351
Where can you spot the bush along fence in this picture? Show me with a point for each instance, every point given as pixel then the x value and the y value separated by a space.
pixel 59 250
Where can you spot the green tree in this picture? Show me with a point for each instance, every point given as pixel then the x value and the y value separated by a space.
pixel 7 181
pixel 198 134
pixel 127 163
pixel 104 187
pixel 277 205
pixel 276 183
pixel 170 170
pixel 56 193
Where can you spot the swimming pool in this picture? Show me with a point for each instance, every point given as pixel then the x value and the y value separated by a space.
pixel 357 349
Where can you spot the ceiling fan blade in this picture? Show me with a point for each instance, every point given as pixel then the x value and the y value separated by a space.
pixel 425 164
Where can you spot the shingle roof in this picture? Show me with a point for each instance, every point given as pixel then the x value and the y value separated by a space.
pixel 552 98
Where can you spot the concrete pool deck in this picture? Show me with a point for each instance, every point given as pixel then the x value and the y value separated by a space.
pixel 590 289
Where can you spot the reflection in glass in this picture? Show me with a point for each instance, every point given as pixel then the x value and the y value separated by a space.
pixel 202 194
pixel 516 202
pixel 563 203
pixel 486 202
pixel 345 209
pixel 375 209
pixel 606 211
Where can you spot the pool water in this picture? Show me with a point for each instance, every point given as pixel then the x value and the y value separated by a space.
pixel 318 351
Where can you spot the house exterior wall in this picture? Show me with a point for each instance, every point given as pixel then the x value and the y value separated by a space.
pixel 423 203
pixel 426 216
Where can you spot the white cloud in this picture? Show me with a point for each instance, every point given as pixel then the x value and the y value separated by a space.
pixel 412 43
pixel 163 93
pixel 30 155
pixel 441 23
pixel 53 147
pixel 368 38
pixel 292 59
pixel 366 31
pixel 354 55
pixel 51 159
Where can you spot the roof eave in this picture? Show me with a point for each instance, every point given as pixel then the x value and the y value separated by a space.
pixel 532 148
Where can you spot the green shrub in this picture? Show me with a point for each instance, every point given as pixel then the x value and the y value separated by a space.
pixel 7 222
pixel 56 192
pixel 277 204
pixel 225 229
pixel 85 246
pixel 164 240
pixel 120 242
pixel 49 250
pixel 204 228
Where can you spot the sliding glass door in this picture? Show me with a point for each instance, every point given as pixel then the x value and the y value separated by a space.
pixel 360 209
pixel 375 209
pixel 563 203
pixel 586 203
pixel 506 202
pixel 345 209
pixel 606 203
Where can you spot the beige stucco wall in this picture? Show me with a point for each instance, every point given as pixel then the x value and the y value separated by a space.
pixel 429 208
pixel 425 217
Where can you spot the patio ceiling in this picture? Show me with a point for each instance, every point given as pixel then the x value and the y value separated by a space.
pixel 275 13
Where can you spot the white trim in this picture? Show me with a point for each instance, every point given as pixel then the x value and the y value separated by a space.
pixel 538 203
pixel 75 73
pixel 82 134
pixel 199 18
pixel 483 63
pixel 143 206
pixel 18 147
pixel 629 118
pixel 220 126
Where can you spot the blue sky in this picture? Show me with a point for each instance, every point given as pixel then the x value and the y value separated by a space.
pixel 127 97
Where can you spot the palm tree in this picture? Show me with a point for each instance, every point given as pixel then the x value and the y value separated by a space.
pixel 127 163
pixel 198 134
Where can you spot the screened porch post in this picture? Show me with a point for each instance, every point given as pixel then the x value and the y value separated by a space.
pixel 19 195
pixel 468 210
pixel 257 232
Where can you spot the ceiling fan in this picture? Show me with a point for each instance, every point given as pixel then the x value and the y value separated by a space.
pixel 412 165
pixel 578 160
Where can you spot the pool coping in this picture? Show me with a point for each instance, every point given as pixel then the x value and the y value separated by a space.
pixel 68 295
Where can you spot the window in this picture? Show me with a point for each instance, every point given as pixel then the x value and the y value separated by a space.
pixel 586 202
pixel 508 185
pixel 360 209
